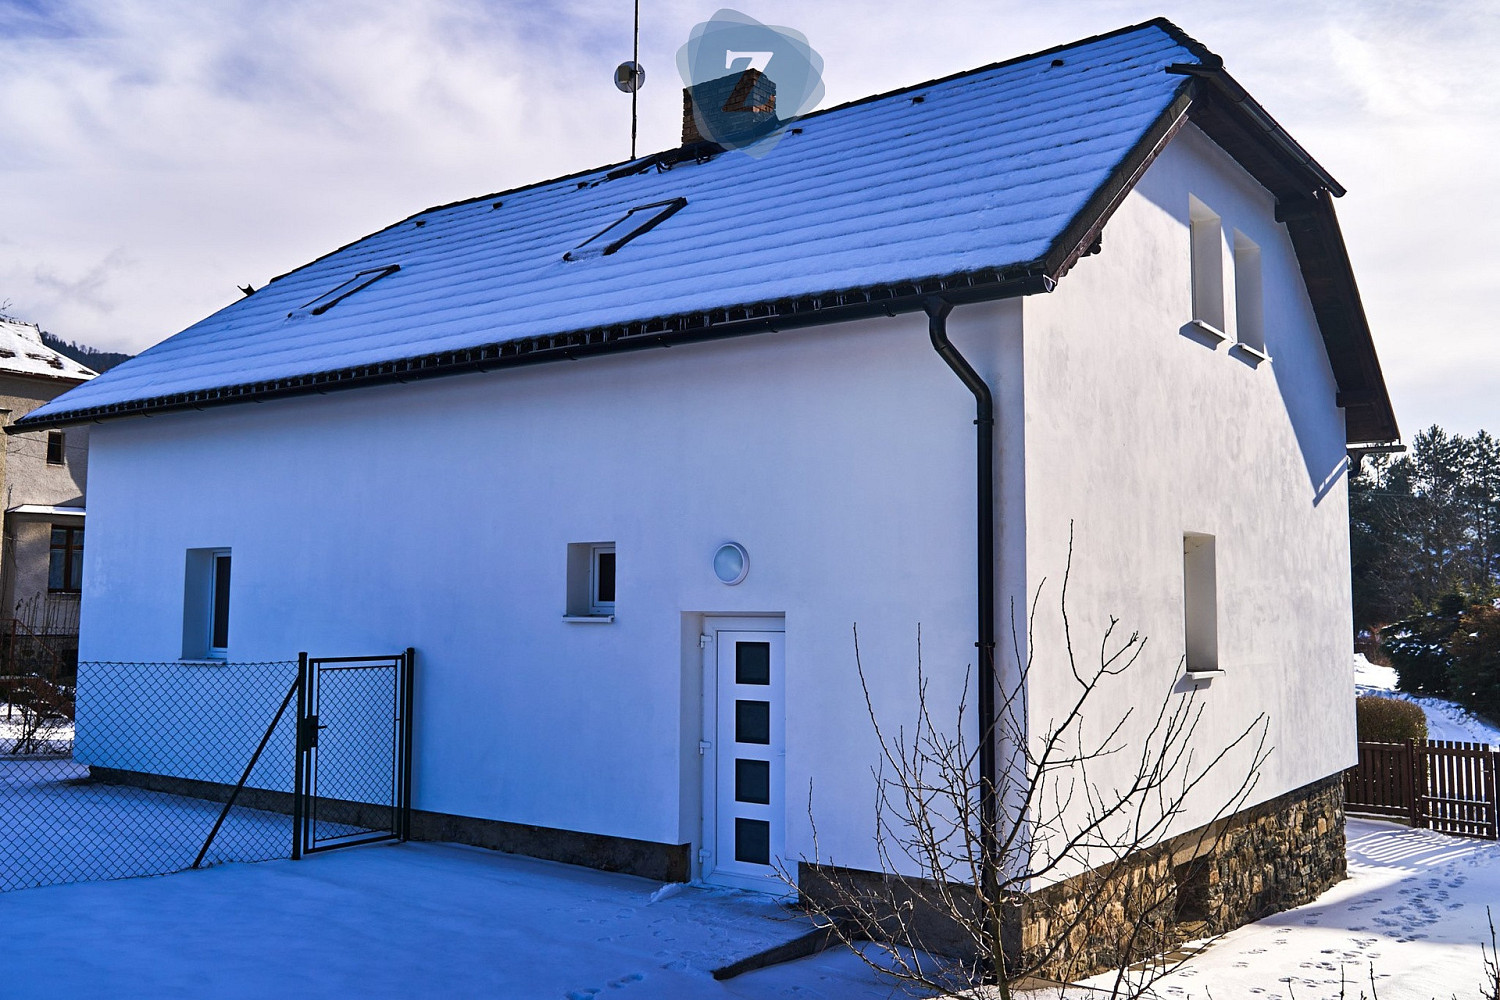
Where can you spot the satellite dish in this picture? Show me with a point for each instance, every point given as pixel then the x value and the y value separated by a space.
pixel 630 77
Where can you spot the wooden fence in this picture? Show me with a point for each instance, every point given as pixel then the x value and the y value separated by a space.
pixel 1438 784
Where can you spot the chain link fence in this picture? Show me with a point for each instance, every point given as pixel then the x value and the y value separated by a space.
pixel 125 771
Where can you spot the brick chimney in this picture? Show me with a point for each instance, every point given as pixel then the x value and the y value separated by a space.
pixel 735 109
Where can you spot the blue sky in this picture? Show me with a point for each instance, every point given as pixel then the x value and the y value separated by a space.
pixel 155 154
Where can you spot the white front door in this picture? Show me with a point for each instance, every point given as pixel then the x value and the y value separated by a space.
pixel 745 754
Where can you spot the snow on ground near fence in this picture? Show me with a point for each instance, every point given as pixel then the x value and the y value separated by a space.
pixel 1445 720
pixel 437 920
pixel 58 826
pixel 1413 906
pixel 416 920
pixel 53 734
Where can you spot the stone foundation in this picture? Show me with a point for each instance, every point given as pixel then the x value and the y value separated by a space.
pixel 1270 857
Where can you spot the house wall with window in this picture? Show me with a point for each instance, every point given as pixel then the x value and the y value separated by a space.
pixel 445 515
pixel 1179 459
pixel 43 480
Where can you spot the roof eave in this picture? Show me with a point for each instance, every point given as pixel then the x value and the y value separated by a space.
pixel 667 331
pixel 1211 100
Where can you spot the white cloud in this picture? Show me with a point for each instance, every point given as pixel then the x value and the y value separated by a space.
pixel 159 152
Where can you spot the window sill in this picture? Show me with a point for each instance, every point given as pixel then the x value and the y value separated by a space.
pixel 589 619
pixel 203 661
pixel 1206 330
pixel 1202 676
pixel 1254 353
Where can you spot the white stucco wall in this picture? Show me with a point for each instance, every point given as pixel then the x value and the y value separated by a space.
pixel 1137 431
pixel 437 515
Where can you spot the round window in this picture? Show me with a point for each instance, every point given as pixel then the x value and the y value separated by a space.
pixel 731 563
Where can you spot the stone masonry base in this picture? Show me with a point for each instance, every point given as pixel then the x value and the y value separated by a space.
pixel 1270 857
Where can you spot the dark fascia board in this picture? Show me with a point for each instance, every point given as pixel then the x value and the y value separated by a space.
pixel 1082 235
pixel 1314 229
pixel 1304 195
pixel 667 331
pixel 1304 203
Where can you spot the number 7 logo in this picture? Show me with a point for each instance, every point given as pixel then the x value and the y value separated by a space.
pixel 754 60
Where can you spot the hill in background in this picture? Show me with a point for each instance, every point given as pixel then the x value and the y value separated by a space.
pixel 100 361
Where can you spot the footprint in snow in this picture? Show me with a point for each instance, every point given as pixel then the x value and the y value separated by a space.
pixel 587 994
pixel 623 981
pixel 676 966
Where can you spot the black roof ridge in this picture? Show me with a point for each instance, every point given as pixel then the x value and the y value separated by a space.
pixel 1176 33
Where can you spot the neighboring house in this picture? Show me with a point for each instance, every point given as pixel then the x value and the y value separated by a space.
pixel 652 360
pixel 43 475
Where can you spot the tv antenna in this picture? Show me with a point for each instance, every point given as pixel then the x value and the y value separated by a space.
pixel 630 77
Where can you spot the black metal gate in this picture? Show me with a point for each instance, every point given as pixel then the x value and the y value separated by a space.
pixel 353 768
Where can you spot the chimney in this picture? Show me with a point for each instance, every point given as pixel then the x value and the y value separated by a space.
pixel 730 111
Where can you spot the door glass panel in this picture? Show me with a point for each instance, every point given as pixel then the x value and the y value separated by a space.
pixel 752 722
pixel 752 663
pixel 752 781
pixel 752 841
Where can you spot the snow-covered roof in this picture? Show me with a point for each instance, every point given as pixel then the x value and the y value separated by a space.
pixel 985 183
pixel 23 353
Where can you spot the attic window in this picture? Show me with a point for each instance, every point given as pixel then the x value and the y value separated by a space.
pixel 329 299
pixel 1207 243
pixel 635 222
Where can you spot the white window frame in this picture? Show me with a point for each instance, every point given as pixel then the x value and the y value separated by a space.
pixel 214 651
pixel 1249 297
pixel 598 606
pixel 1200 603
pixel 1206 239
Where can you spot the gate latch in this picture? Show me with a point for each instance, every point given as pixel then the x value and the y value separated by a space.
pixel 704 747
pixel 307 733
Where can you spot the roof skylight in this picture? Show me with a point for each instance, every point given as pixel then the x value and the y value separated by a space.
pixel 339 293
pixel 635 222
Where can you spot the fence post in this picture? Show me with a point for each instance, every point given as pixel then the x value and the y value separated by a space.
pixel 1489 791
pixel 406 723
pixel 1415 784
pixel 298 776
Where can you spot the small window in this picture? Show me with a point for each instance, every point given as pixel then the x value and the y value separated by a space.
pixel 65 561
pixel 206 602
pixel 1248 303
pixel 1207 238
pixel 333 297
pixel 591 581
pixel 635 222
pixel 56 447
pixel 1200 602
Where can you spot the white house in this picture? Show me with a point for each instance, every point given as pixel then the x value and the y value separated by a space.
pixel 517 433
pixel 43 477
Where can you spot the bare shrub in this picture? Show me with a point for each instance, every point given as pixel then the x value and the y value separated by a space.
pixel 955 888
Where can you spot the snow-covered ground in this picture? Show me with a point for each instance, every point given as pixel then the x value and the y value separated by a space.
pixel 1413 907
pixel 58 826
pixel 1445 720
pixel 54 735
pixel 409 921
pixel 438 920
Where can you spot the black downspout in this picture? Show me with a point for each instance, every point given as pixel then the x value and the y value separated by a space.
pixel 984 422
